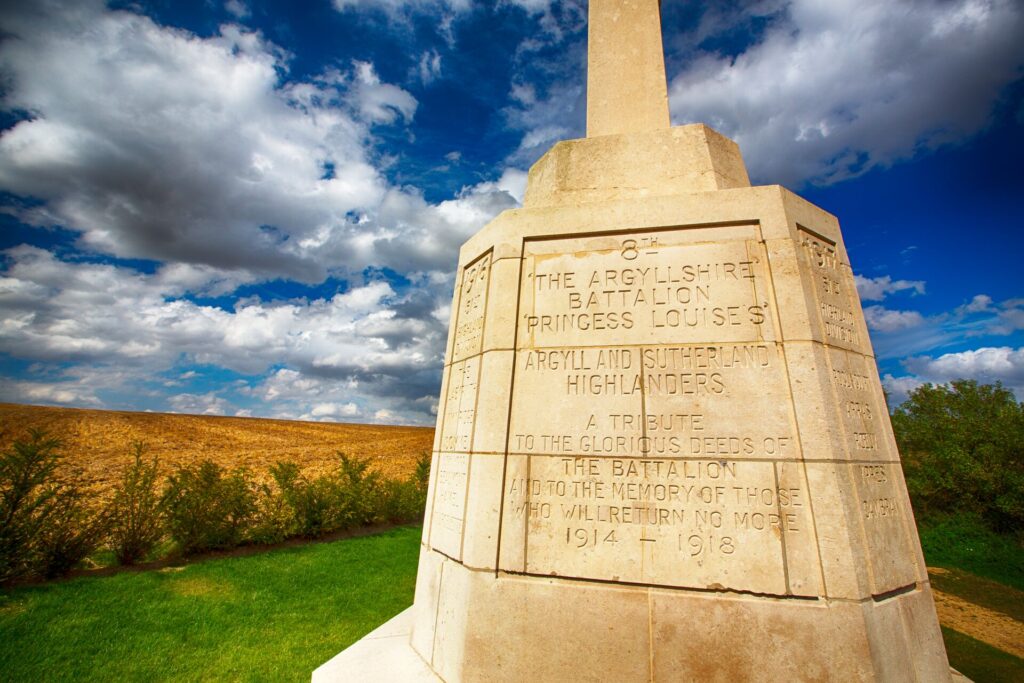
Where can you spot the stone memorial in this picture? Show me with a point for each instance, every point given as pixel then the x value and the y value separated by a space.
pixel 662 450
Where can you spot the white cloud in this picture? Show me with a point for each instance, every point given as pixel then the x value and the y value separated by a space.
pixel 324 410
pixel 883 319
pixel 211 160
pixel 986 365
pixel 368 345
pixel 380 102
pixel 200 404
pixel 47 393
pixel 238 9
pixel 560 115
pixel 899 388
pixel 429 69
pixel 512 181
pixel 877 288
pixel 835 88
pixel 979 304
pixel 395 7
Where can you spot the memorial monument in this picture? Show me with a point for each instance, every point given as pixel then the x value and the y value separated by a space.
pixel 662 449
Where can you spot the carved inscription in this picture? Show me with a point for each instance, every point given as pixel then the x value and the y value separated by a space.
pixel 449 503
pixel 651 290
pixel 649 406
pixel 469 330
pixel 886 521
pixel 460 405
pixel 834 291
pixel 674 522
pixel 860 406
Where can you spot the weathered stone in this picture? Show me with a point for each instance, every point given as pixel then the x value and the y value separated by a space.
pixel 663 452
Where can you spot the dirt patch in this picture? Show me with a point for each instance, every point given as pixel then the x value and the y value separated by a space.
pixel 988 626
pixel 984 592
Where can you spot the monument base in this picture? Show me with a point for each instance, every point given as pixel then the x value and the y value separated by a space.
pixel 385 656
pixel 382 656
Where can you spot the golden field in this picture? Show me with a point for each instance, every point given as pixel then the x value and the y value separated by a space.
pixel 97 443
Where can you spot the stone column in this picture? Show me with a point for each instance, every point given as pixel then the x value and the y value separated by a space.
pixel 626 89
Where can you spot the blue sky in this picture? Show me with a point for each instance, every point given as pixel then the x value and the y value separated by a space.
pixel 255 208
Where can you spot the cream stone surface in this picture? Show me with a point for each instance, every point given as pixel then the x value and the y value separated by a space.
pixel 663 451
pixel 626 87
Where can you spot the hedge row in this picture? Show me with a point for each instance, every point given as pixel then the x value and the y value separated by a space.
pixel 48 528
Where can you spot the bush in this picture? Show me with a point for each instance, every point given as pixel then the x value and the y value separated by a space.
pixel 273 520
pixel 360 493
pixel 73 530
pixel 48 528
pixel 349 497
pixel 405 500
pixel 26 499
pixel 312 503
pixel 45 528
pixel 963 451
pixel 134 514
pixel 206 508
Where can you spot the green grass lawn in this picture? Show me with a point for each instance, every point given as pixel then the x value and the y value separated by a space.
pixel 269 617
pixel 979 661
pixel 278 615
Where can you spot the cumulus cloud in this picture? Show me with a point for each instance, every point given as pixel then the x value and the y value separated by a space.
pixel 368 344
pixel 201 155
pixel 48 393
pixel 200 404
pixel 545 119
pixel 877 288
pixel 987 365
pixel 835 88
pixel 979 304
pixel 882 319
pixel 211 158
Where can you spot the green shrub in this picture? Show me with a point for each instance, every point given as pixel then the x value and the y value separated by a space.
pixel 349 497
pixel 206 508
pixel 26 500
pixel 273 520
pixel 46 528
pixel 963 451
pixel 314 504
pixel 360 493
pixel 135 522
pixel 404 500
pixel 73 530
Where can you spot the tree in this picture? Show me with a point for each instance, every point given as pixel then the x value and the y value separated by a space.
pixel 963 451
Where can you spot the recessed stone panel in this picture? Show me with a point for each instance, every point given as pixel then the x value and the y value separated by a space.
pixel 864 420
pixel 448 510
pixel 472 311
pixel 666 287
pixel 708 524
pixel 839 316
pixel 459 416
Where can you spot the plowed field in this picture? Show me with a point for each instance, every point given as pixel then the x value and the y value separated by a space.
pixel 97 443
